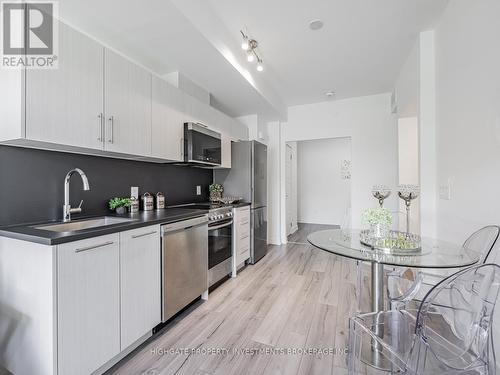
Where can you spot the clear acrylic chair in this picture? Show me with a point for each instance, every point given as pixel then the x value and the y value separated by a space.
pixel 450 332
pixel 405 285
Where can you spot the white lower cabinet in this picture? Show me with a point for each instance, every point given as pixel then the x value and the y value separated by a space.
pixel 108 297
pixel 241 236
pixel 88 304
pixel 140 283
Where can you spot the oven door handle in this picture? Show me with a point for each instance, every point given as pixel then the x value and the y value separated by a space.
pixel 221 226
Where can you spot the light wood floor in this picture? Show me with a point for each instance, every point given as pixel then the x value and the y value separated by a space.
pixel 306 229
pixel 295 297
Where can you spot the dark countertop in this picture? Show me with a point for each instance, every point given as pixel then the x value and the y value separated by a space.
pixel 141 219
pixel 241 204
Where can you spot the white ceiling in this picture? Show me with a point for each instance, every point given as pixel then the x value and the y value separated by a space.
pixel 359 51
pixel 155 34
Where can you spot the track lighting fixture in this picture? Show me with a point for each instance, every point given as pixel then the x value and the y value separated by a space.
pixel 250 46
pixel 260 66
pixel 244 45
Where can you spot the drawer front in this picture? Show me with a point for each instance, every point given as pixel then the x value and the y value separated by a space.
pixel 242 234
pixel 243 254
pixel 244 231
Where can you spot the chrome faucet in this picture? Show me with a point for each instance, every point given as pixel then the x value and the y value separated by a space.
pixel 67 210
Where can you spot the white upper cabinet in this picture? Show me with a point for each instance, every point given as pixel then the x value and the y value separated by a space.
pixel 226 151
pixel 99 102
pixel 168 121
pixel 65 105
pixel 127 101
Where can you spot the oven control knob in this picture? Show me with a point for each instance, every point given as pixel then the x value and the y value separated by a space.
pixel 220 217
pixel 229 214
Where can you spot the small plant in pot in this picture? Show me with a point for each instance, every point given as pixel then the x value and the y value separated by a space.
pixel 215 192
pixel 119 205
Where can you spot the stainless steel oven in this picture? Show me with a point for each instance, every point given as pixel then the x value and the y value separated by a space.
pixel 220 244
pixel 201 145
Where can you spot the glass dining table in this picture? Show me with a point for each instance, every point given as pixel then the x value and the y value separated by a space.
pixel 434 254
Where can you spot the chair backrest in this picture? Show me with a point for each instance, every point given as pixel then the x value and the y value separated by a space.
pixel 483 241
pixel 455 317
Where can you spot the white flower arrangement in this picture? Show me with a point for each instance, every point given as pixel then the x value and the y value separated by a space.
pixel 377 216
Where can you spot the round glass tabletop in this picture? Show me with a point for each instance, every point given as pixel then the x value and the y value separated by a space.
pixel 434 253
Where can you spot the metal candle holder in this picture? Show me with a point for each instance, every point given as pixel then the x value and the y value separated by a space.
pixel 381 192
pixel 408 193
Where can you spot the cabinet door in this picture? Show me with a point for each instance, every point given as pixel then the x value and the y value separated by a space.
pixel 140 283
pixel 65 105
pixel 226 151
pixel 127 100
pixel 88 298
pixel 168 121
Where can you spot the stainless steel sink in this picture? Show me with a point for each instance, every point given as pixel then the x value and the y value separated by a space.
pixel 73 226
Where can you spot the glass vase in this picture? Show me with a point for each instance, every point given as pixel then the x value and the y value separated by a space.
pixel 379 230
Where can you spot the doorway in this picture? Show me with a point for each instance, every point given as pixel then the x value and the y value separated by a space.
pixel 317 185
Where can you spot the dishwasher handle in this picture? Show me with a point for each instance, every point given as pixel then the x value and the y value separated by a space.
pixel 185 224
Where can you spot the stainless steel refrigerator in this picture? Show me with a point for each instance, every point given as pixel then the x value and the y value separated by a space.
pixel 247 178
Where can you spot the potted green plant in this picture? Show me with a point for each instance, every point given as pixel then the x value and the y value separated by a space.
pixel 119 205
pixel 215 192
pixel 379 219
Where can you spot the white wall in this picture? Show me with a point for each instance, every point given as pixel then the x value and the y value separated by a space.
pixel 427 135
pixel 468 121
pixel 408 84
pixel 322 195
pixel 468 117
pixel 274 188
pixel 373 131
pixel 409 171
pixel 291 208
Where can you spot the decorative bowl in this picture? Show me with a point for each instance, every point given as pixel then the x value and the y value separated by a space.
pixel 395 242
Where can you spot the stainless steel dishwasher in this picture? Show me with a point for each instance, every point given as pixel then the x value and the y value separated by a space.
pixel 184 264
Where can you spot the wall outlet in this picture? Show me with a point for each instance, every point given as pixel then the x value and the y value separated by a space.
pixel 198 190
pixel 134 192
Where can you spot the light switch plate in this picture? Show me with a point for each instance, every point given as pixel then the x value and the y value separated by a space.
pixel 445 191
pixel 198 190
pixel 134 191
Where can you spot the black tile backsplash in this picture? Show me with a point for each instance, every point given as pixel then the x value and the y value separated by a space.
pixel 32 183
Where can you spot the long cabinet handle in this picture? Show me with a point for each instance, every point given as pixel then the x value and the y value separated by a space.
pixel 182 149
pixel 221 226
pixel 112 125
pixel 143 235
pixel 94 247
pixel 100 117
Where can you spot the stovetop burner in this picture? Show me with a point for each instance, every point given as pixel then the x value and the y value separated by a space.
pixel 216 211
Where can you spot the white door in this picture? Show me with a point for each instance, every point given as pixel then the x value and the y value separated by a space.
pixel 88 304
pixel 127 101
pixel 288 189
pixel 65 105
pixel 168 121
pixel 140 283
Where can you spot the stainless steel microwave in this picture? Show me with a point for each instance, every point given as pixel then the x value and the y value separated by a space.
pixel 202 145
